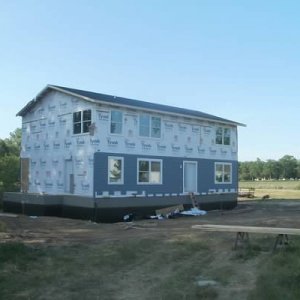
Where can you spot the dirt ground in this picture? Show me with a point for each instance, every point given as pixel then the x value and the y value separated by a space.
pixel 60 231
pixel 242 274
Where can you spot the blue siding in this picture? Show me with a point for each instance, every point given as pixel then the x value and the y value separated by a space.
pixel 172 175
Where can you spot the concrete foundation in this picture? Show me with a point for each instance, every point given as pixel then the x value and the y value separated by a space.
pixel 107 209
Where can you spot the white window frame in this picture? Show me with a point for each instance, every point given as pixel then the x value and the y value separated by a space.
pixel 150 161
pixel 122 122
pixel 150 135
pixel 223 164
pixel 81 122
pixel 223 129
pixel 122 170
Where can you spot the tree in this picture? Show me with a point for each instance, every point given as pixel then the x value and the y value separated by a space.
pixel 298 169
pixel 288 166
pixel 244 171
pixel 258 167
pixel 271 169
pixel 9 162
pixel 13 143
pixel 9 173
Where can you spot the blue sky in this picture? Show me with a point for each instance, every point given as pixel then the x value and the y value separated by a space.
pixel 234 59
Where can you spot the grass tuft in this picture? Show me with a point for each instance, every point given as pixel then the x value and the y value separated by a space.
pixel 279 275
pixel 2 227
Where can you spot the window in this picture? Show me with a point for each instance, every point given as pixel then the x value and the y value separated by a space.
pixel 144 125
pixel 149 171
pixel 155 127
pixel 115 170
pixel 219 136
pixel 150 126
pixel 116 122
pixel 226 137
pixel 82 121
pixel 223 136
pixel 223 172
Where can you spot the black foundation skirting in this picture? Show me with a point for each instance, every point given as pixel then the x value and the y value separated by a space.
pixel 106 210
pixel 32 209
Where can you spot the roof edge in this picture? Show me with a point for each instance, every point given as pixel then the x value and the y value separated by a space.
pixel 222 120
pixel 32 103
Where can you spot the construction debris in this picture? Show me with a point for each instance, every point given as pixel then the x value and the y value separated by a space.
pixel 194 211
pixel 169 210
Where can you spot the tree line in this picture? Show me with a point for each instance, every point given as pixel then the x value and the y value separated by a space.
pixel 287 167
pixel 10 163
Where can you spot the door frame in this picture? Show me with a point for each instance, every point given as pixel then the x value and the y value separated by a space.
pixel 195 163
pixel 24 174
pixel 69 177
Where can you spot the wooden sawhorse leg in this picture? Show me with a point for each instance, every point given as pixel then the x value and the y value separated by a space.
pixel 242 237
pixel 281 240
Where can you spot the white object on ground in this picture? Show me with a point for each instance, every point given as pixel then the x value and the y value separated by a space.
pixel 194 212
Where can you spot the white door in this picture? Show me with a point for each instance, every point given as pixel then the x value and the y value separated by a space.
pixel 69 177
pixel 190 177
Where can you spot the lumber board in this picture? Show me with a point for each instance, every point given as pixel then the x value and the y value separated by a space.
pixel 8 215
pixel 249 229
pixel 168 210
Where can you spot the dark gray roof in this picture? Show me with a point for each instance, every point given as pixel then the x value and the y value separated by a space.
pixel 127 102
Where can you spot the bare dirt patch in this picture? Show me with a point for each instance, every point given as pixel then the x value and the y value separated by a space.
pixel 53 230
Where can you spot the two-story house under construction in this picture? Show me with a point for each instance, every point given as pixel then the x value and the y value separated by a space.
pixel 97 156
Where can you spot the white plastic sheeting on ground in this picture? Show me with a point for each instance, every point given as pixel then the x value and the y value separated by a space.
pixel 194 212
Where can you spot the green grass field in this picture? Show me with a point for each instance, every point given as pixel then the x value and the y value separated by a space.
pixel 272 184
pixel 276 189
